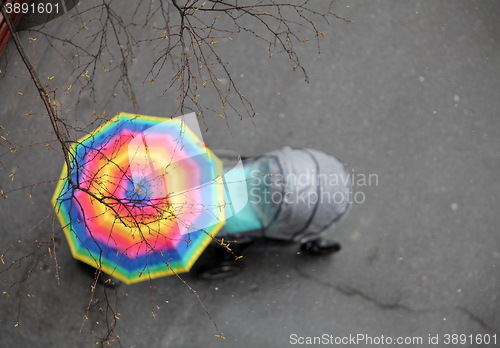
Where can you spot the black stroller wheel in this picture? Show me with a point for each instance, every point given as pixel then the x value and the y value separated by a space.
pixel 102 278
pixel 320 246
pixel 223 269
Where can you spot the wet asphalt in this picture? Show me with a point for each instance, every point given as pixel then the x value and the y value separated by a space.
pixel 407 96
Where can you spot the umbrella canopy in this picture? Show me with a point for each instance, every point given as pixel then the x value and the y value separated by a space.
pixel 142 197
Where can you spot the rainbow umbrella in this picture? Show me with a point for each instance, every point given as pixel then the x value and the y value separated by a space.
pixel 141 198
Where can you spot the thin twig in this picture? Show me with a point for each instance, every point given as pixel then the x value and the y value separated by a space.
pixel 44 95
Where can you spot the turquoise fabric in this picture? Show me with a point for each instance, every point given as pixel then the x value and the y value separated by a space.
pixel 246 219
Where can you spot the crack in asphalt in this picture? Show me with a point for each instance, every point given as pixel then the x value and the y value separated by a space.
pixel 475 318
pixel 350 291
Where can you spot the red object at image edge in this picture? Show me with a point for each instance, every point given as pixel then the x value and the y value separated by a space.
pixel 4 30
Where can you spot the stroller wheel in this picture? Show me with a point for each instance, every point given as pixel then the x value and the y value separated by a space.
pixel 223 269
pixel 320 246
pixel 102 278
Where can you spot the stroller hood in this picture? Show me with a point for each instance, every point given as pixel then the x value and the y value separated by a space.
pixel 297 192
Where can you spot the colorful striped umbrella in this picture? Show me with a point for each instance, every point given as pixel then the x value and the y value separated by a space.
pixel 142 197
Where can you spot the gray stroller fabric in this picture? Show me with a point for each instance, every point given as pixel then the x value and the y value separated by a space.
pixel 296 193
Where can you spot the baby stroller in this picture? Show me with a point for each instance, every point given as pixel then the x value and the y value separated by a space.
pixel 291 195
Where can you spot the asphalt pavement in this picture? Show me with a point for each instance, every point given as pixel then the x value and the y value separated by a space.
pixel 407 96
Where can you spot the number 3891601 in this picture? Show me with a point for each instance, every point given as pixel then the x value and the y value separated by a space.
pixel 479 339
pixel 32 8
